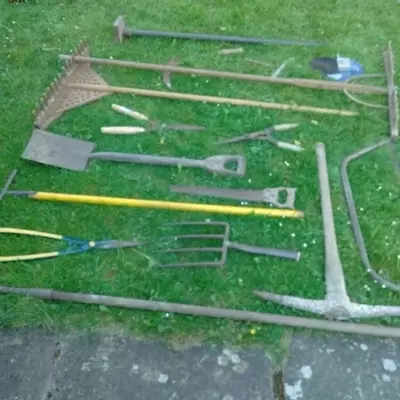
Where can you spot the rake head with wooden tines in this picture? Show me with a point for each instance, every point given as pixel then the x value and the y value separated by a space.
pixel 222 236
pixel 59 97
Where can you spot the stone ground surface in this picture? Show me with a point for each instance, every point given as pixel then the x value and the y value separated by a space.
pixel 35 365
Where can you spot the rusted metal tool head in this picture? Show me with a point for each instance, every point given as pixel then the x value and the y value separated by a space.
pixel 59 151
pixel 9 181
pixel 220 236
pixel 119 27
pixel 59 98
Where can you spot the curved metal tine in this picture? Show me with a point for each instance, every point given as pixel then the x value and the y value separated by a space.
pixel 186 223
pixel 195 236
pixel 192 249
pixel 192 264
pixel 356 99
pixel 222 249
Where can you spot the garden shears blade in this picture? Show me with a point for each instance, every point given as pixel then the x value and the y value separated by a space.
pixel 267 134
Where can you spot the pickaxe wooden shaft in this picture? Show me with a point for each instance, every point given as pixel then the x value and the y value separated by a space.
pixel 309 83
pixel 207 99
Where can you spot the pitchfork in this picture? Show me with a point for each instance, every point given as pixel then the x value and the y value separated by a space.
pixel 223 250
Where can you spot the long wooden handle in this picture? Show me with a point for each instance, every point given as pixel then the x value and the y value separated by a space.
pixel 121 130
pixel 207 99
pixel 310 83
pixel 334 275
pixel 166 205
pixel 211 312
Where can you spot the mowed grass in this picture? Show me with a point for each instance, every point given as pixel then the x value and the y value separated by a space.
pixel 32 37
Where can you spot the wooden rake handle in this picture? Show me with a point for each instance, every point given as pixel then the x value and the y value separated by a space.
pixel 207 99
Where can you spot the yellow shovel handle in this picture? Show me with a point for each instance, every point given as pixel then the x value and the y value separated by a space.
pixel 167 205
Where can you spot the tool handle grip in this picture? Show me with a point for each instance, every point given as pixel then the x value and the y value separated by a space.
pixel 289 146
pixel 282 253
pixel 146 159
pixel 130 113
pixel 122 130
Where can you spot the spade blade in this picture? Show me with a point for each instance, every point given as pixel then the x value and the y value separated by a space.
pixel 59 151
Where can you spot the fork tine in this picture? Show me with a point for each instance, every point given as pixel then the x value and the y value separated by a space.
pixel 222 250
pixel 206 223
pixel 190 249
pixel 195 236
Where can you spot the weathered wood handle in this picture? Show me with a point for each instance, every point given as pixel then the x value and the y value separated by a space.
pixel 122 130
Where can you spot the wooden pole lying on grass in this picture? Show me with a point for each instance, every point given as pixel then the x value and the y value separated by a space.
pixel 212 312
pixel 301 82
pixel 206 99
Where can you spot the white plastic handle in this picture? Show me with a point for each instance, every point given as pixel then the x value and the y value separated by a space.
pixel 289 146
pixel 122 130
pixel 127 111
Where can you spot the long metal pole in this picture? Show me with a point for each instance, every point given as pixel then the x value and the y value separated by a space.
pixel 219 38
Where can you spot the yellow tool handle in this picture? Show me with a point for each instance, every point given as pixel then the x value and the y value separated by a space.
pixel 166 205
pixel 17 231
pixel 29 257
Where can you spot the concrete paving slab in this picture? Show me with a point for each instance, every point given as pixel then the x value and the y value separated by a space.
pixel 94 367
pixel 26 364
pixel 342 368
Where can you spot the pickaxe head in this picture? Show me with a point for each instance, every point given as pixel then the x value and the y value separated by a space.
pixel 119 27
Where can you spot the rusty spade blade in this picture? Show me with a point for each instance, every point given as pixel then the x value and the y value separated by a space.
pixel 74 154
pixel 268 195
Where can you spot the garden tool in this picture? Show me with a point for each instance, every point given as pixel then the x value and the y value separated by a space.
pixel 154 204
pixel 266 134
pixel 337 304
pixel 75 245
pixel 9 181
pixel 154 126
pixel 206 311
pixel 223 237
pixel 65 152
pixel 267 195
pixel 81 55
pixel 167 74
pixel 348 193
pixel 121 30
pixel 79 84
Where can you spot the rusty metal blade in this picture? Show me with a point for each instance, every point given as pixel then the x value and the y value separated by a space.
pixel 167 74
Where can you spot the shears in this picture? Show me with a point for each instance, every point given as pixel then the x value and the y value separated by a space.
pixel 267 134
pixel 75 245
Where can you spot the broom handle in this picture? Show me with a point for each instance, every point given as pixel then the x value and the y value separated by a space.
pixel 309 83
pixel 207 99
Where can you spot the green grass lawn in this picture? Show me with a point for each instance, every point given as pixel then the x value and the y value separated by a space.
pixel 32 37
